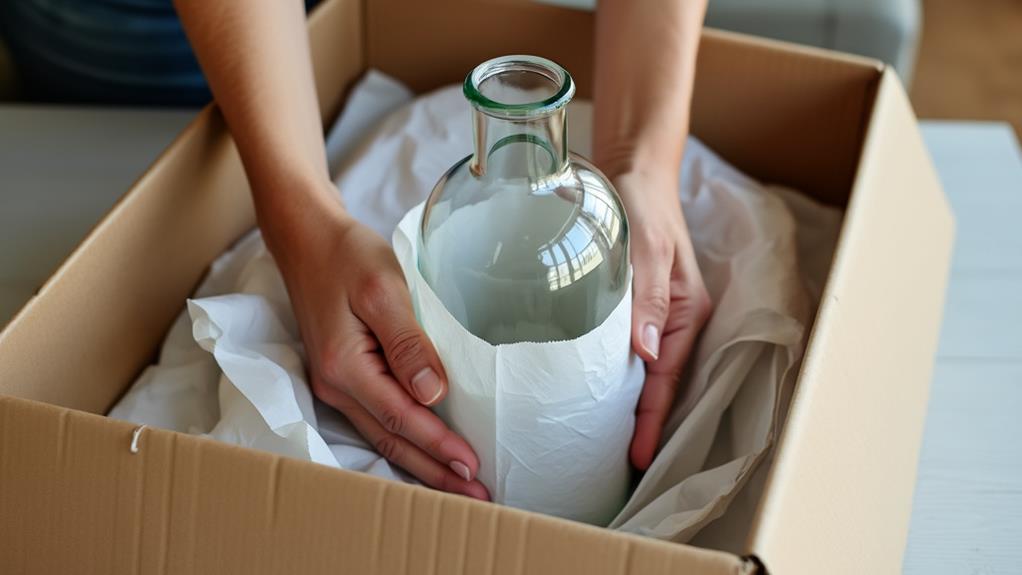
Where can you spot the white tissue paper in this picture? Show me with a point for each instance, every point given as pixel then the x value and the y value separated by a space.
pixel 232 364
pixel 550 422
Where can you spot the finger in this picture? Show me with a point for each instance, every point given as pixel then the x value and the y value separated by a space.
pixel 386 308
pixel 650 305
pixel 403 453
pixel 650 414
pixel 397 413
pixel 662 377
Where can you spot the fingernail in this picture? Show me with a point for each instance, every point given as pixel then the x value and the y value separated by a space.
pixel 651 339
pixel 427 387
pixel 462 470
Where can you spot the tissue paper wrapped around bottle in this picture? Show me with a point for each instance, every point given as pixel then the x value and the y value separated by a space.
pixel 550 422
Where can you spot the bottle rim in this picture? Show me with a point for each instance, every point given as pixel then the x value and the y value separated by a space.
pixel 519 63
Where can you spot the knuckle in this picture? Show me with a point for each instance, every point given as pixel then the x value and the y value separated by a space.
pixel 702 304
pixel 331 395
pixel 658 245
pixel 645 410
pixel 319 389
pixel 657 299
pixel 374 291
pixel 389 446
pixel 330 365
pixel 436 443
pixel 393 419
pixel 440 479
pixel 404 348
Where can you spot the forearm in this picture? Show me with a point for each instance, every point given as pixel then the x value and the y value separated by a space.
pixel 646 58
pixel 256 59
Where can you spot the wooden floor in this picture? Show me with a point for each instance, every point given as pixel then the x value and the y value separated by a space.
pixel 970 61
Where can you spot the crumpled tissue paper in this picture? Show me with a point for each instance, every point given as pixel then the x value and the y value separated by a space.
pixel 232 365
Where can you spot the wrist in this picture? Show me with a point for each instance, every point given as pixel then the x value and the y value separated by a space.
pixel 294 215
pixel 651 199
pixel 648 157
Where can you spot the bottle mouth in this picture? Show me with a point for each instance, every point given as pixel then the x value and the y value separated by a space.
pixel 519 86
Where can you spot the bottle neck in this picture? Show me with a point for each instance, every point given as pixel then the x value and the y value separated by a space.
pixel 513 148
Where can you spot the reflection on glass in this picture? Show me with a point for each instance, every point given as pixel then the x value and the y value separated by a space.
pixel 523 241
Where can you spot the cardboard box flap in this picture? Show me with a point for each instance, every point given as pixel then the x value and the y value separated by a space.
pixel 769 108
pixel 184 504
pixel 838 497
pixel 431 44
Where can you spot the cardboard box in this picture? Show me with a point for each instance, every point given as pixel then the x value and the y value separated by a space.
pixel 75 498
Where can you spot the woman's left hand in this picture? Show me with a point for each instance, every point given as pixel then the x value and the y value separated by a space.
pixel 670 302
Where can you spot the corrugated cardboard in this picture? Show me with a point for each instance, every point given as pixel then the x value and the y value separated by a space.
pixel 74 498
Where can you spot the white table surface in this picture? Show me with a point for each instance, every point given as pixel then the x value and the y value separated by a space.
pixel 967 513
pixel 61 169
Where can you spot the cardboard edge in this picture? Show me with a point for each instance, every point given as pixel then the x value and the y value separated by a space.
pixel 170 502
pixel 727 36
pixel 771 537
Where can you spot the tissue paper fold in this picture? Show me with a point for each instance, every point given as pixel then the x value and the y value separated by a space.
pixel 550 422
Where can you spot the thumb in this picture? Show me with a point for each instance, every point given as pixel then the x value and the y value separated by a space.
pixel 651 303
pixel 386 308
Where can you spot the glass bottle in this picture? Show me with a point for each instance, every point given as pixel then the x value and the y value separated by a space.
pixel 524 240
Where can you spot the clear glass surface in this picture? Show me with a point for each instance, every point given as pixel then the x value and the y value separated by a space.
pixel 522 240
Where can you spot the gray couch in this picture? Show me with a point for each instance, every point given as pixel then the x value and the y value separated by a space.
pixel 887 30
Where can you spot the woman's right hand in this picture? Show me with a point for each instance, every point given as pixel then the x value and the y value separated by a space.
pixel 367 355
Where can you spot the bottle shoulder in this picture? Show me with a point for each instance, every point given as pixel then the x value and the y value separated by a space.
pixel 578 191
pixel 564 226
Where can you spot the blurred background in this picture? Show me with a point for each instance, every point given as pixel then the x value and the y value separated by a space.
pixel 960 59
pixel 970 61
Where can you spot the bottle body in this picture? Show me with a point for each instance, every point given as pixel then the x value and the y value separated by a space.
pixel 523 241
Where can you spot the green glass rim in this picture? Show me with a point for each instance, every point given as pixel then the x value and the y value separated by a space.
pixel 518 63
